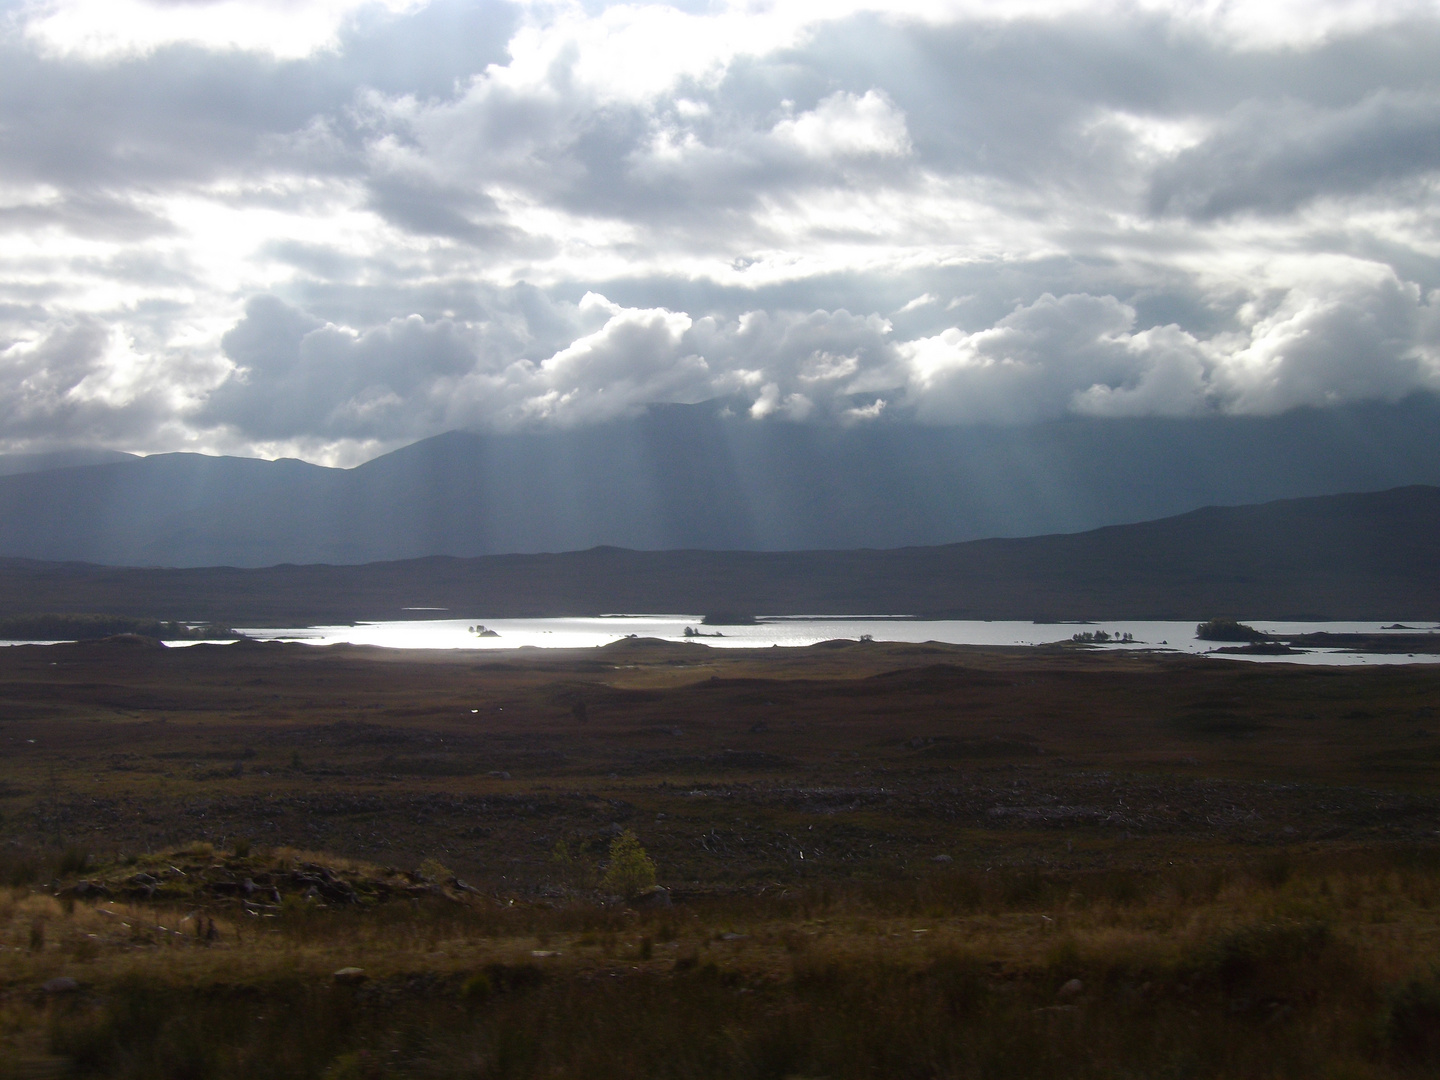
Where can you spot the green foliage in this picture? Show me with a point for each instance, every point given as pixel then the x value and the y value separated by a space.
pixel 631 870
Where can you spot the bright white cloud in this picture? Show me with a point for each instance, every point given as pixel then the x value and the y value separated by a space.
pixel 332 227
pixel 109 28
pixel 844 125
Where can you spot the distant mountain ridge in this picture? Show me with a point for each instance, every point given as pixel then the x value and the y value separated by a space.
pixel 1372 556
pixel 15 464
pixel 682 477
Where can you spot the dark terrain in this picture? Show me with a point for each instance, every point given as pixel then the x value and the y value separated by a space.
pixel 732 764
pixel 222 862
pixel 701 476
pixel 1366 556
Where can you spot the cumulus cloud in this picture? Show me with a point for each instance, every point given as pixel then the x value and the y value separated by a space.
pixel 328 227
pixel 844 125
pixel 1346 341
pixel 82 381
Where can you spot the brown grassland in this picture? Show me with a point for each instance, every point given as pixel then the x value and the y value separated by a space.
pixel 874 861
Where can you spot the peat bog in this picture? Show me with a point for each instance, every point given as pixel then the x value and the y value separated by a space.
pixel 873 859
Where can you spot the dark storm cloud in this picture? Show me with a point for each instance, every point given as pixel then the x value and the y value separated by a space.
pixel 1274 159
pixel 297 375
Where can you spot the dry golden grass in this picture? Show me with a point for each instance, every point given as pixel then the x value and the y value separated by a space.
pixel 1315 966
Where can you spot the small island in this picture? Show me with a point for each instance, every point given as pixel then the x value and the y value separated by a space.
pixel 1224 629
pixel 1102 637
pixel 481 631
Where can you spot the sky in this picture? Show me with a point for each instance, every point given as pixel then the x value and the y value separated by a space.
pixel 325 230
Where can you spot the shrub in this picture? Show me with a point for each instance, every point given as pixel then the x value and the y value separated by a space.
pixel 1414 1023
pixel 75 860
pixel 477 989
pixel 631 870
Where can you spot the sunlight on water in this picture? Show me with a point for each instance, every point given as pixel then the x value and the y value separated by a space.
pixel 792 631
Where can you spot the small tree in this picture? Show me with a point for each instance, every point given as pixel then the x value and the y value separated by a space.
pixel 631 870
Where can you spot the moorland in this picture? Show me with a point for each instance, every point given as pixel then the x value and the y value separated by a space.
pixel 871 860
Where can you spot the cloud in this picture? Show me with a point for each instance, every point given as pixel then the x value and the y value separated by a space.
pixel 1273 159
pixel 844 125
pixel 81 381
pixel 1353 338
pixel 1075 352
pixel 297 378
pixel 1334 341
pixel 106 28
pixel 327 228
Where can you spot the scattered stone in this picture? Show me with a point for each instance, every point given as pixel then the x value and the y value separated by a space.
pixel 942 859
pixel 62 985
pixel 1071 989
pixel 656 897
pixel 350 976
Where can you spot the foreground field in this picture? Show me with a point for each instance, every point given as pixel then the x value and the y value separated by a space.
pixel 875 860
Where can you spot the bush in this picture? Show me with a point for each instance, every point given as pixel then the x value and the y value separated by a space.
pixel 74 860
pixel 631 870
pixel 1414 1023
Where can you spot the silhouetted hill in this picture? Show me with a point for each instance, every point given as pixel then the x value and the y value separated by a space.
pixel 1366 556
pixel 695 477
pixel 13 464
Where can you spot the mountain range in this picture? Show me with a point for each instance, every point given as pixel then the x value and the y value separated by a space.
pixel 699 477
pixel 1372 556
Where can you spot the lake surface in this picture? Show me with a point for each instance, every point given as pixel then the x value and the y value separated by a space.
pixel 794 631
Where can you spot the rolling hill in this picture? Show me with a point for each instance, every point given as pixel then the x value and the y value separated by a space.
pixel 1358 556
pixel 699 477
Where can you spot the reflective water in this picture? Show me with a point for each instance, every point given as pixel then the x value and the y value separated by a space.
pixel 572 633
